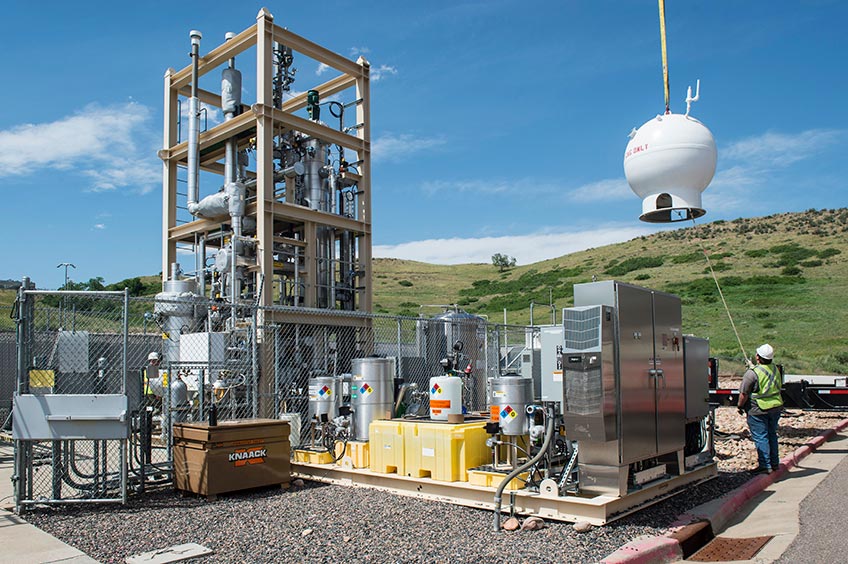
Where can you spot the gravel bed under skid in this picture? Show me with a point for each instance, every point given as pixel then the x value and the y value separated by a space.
pixel 359 524
pixel 268 526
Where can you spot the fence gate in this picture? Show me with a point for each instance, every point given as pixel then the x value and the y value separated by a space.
pixel 70 423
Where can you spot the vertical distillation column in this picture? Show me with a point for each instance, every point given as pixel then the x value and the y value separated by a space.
pixel 230 105
pixel 317 181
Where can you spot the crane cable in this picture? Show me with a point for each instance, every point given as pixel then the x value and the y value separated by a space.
pixel 664 55
pixel 721 294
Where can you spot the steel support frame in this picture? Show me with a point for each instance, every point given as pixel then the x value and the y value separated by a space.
pixel 260 122
pixel 597 510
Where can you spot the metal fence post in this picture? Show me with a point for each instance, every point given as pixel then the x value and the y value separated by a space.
pixel 23 336
pixel 254 360
pixel 397 364
pixel 277 370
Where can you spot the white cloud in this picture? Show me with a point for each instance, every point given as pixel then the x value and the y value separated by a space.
pixel 498 186
pixel 100 142
pixel 91 133
pixel 210 116
pixel 322 68
pixel 781 149
pixel 526 249
pixel 395 147
pixel 354 51
pixel 378 73
pixel 488 186
pixel 126 172
pixel 607 190
pixel 755 161
pixel 99 226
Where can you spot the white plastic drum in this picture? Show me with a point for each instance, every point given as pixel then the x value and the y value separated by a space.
pixel 669 162
pixel 445 397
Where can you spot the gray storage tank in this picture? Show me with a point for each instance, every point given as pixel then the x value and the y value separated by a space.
pixel 371 393
pixel 510 396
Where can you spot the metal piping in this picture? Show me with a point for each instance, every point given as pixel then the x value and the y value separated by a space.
pixel 406 386
pixel 193 110
pixel 201 266
pixel 549 413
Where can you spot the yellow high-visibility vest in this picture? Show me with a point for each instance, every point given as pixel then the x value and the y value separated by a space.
pixel 768 384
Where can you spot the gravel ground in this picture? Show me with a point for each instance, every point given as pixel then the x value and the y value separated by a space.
pixel 321 523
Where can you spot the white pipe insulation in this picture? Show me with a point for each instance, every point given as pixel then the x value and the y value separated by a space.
pixel 193 110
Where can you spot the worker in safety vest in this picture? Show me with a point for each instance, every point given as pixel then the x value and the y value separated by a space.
pixel 759 397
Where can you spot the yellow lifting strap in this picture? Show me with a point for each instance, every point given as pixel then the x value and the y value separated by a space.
pixel 664 54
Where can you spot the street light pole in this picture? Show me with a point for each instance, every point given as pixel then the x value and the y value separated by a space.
pixel 65 287
pixel 66 265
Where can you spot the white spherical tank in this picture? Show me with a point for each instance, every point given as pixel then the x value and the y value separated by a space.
pixel 669 162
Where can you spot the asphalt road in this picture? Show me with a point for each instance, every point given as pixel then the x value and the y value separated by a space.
pixel 822 522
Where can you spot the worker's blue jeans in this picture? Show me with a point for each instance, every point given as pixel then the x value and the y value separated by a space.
pixel 764 432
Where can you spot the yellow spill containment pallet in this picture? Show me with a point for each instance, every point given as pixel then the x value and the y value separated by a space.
pixel 313 456
pixel 493 479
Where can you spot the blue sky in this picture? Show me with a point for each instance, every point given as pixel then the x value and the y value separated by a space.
pixel 497 126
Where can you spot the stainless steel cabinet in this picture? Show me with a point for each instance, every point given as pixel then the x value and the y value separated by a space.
pixel 649 392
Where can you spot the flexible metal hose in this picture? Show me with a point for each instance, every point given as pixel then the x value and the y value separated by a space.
pixel 549 433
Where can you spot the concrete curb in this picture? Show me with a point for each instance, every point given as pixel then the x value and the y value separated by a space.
pixel 660 549
pixel 648 550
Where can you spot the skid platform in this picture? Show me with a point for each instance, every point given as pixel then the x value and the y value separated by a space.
pixel 597 510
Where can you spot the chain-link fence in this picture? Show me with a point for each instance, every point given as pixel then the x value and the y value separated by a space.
pixel 70 416
pixel 174 359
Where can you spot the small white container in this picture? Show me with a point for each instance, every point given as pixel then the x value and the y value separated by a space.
pixel 445 397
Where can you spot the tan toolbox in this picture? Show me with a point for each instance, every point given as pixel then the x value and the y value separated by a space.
pixel 231 456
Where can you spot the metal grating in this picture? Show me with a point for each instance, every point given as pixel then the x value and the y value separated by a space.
pixel 722 549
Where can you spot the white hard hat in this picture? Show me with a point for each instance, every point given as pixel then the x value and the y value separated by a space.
pixel 765 351
pixel 153 356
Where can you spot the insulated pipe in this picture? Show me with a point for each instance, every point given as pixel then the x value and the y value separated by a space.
pixel 296 273
pixel 193 109
pixel 201 265
pixel 509 477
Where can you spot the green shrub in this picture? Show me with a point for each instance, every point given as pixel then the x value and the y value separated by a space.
pixel 405 283
pixel 687 258
pixel 828 252
pixel 790 271
pixel 408 305
pixel 643 277
pixel 634 263
pixel 718 267
pixel 756 253
pixel 811 263
pixel 791 254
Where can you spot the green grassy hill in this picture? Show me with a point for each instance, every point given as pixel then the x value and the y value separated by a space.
pixel 784 277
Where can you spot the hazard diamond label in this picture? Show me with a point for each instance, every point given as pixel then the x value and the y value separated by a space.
pixel 436 389
pixel 325 391
pixel 508 412
pixel 366 389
